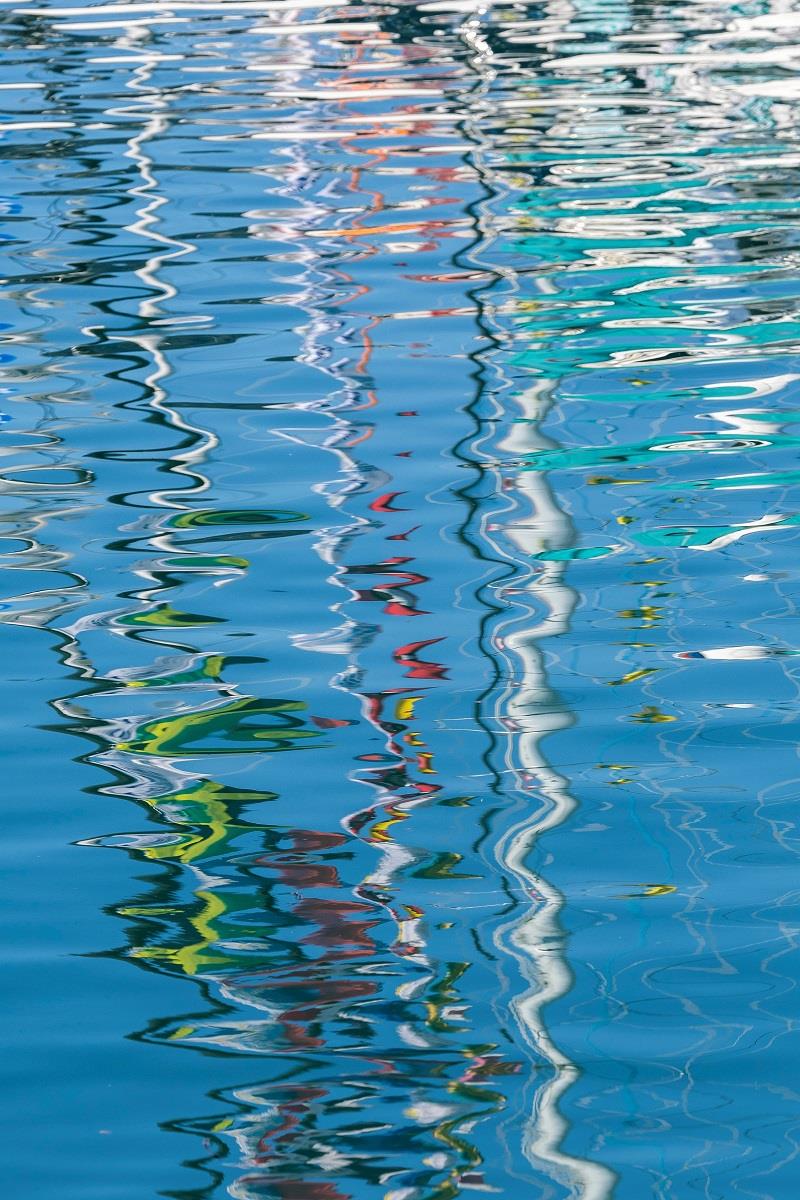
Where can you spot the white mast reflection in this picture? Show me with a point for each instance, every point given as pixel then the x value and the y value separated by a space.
pixel 526 705
pixel 532 711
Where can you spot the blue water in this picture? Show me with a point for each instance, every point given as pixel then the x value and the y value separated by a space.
pixel 399 497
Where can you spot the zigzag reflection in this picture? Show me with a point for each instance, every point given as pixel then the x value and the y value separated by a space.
pixel 292 966
pixel 532 711
pixel 319 951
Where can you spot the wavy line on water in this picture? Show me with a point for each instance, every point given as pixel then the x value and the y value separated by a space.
pixel 523 702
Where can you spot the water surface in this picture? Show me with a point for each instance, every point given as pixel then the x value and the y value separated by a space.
pixel 399 529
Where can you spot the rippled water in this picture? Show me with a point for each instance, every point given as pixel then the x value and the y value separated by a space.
pixel 400 425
